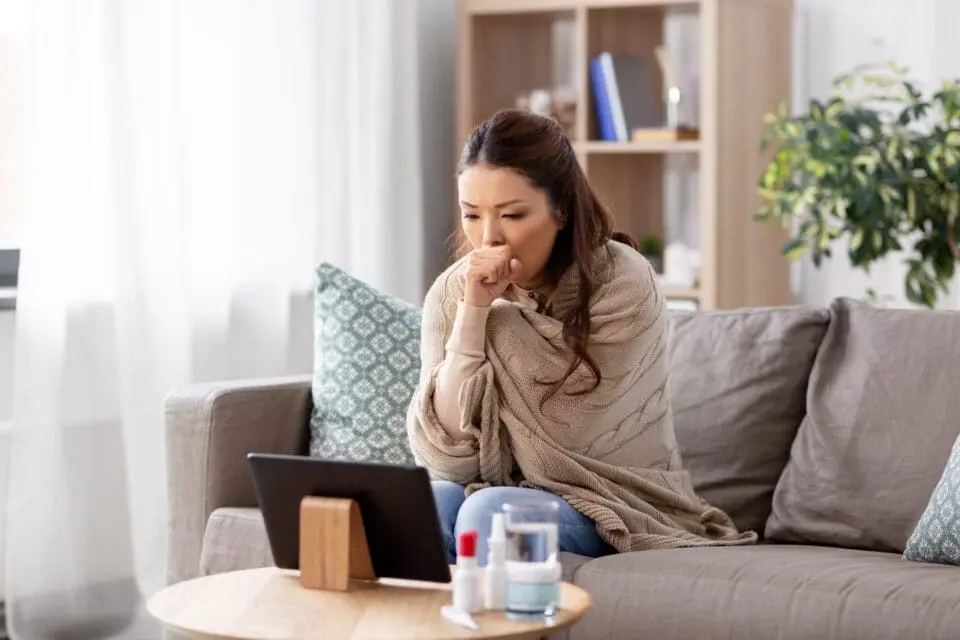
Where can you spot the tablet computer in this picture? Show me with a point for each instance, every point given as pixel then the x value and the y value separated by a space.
pixel 396 505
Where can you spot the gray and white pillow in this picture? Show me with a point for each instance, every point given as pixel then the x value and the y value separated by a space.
pixel 936 537
pixel 366 368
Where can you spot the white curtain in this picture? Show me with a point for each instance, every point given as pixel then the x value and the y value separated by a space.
pixel 189 163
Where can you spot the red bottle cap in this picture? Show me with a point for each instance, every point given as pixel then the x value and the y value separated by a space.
pixel 467 546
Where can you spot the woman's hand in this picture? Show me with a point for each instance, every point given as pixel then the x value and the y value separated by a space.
pixel 490 270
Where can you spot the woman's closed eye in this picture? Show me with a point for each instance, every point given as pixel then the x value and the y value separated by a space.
pixel 508 216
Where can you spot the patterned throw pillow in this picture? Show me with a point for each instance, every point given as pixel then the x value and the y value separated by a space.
pixel 366 367
pixel 936 537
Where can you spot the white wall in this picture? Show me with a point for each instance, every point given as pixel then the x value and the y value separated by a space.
pixel 835 36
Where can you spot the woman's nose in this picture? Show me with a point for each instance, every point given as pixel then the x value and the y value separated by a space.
pixel 492 236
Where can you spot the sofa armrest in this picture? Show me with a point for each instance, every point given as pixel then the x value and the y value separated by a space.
pixel 210 429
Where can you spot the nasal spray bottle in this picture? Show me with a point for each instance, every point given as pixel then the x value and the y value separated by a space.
pixel 495 577
pixel 467 577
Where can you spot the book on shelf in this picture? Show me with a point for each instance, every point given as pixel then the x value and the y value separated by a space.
pixel 623 96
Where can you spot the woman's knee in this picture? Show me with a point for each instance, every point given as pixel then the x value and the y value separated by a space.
pixel 479 508
pixel 476 514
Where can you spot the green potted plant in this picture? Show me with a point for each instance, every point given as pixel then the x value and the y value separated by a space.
pixel 651 246
pixel 878 164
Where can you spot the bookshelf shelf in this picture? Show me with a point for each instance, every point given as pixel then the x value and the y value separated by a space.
pixel 676 293
pixel 654 146
pixel 479 7
pixel 738 70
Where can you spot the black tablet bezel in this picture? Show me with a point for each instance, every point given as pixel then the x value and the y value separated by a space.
pixel 396 504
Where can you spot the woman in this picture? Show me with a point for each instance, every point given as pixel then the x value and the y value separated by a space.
pixel 544 369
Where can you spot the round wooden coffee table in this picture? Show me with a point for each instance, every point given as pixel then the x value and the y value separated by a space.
pixel 270 603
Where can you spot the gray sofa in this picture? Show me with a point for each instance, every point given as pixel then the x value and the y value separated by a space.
pixel 823 429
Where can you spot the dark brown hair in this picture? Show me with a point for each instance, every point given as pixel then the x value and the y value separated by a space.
pixel 535 147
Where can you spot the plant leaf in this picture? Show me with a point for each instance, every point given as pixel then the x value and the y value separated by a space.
pixel 856 240
pixel 795 248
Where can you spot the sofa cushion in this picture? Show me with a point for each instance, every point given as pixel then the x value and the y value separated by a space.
pixel 937 535
pixel 767 591
pixel 235 539
pixel 737 385
pixel 366 367
pixel 882 410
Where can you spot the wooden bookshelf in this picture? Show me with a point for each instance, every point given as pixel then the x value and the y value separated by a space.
pixel 508 47
pixel 477 7
pixel 654 146
pixel 681 293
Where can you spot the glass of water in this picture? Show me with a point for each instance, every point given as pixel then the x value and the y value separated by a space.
pixel 533 570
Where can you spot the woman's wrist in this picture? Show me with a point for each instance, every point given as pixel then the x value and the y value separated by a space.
pixel 474 302
pixel 469 329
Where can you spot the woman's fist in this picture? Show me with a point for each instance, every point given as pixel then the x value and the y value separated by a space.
pixel 490 270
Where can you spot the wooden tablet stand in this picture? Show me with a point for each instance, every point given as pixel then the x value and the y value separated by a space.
pixel 333 545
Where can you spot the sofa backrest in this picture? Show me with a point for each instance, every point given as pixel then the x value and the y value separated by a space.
pixel 882 417
pixel 738 381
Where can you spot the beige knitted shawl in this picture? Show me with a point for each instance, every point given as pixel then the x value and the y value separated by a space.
pixel 610 452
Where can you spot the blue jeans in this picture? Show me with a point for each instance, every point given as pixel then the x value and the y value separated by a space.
pixel 576 532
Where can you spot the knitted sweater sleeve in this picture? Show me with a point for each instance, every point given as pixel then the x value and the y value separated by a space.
pixel 464 355
pixel 435 411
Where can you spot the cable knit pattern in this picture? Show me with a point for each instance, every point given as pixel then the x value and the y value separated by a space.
pixel 610 452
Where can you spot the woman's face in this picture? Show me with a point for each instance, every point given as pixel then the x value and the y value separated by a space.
pixel 499 206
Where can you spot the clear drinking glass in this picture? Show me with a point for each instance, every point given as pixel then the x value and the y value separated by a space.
pixel 533 570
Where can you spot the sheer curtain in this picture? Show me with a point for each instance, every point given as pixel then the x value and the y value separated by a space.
pixel 189 163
